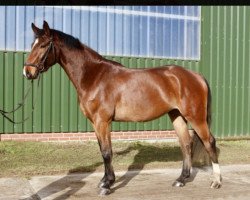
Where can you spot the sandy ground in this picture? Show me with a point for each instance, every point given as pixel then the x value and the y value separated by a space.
pixel 134 185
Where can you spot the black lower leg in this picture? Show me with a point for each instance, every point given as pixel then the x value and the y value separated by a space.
pixel 185 174
pixel 109 176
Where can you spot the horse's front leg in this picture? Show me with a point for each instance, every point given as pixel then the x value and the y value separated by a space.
pixel 104 139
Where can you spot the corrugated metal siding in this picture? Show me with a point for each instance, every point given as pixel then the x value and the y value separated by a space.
pixel 225 62
pixel 149 31
pixel 56 108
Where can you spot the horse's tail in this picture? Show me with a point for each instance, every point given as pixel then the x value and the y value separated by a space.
pixel 198 151
pixel 209 106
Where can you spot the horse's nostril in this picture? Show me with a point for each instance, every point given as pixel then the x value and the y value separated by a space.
pixel 28 74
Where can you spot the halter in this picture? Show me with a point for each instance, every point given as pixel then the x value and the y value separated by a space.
pixel 40 65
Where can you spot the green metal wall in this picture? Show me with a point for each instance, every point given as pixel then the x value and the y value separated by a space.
pixel 56 108
pixel 225 61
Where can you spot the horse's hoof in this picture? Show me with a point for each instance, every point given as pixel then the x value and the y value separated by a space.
pixel 104 192
pixel 100 185
pixel 178 184
pixel 216 184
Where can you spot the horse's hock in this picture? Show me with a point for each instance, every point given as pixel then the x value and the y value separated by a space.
pixel 200 156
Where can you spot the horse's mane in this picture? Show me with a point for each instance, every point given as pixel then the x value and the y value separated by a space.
pixel 70 41
pixel 74 43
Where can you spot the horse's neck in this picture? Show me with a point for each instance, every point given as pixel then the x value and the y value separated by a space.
pixel 79 65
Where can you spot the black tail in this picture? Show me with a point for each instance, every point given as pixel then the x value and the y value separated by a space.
pixel 198 152
pixel 209 102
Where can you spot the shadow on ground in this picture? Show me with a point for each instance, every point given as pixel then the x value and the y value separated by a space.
pixel 149 153
pixel 70 184
pixel 146 153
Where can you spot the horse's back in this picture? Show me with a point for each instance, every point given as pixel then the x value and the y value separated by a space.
pixel 146 94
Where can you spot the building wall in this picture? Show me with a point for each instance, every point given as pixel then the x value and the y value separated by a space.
pixel 56 107
pixel 144 31
pixel 224 61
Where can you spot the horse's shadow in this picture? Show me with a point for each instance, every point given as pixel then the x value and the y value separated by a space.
pixel 150 153
pixel 146 153
pixel 70 184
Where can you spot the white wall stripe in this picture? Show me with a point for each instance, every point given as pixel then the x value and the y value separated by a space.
pixel 131 12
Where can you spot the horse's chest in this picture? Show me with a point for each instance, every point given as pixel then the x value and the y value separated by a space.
pixel 83 109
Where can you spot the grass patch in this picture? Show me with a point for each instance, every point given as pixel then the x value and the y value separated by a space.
pixel 35 158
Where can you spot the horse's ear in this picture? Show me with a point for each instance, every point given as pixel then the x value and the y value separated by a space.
pixel 36 30
pixel 46 28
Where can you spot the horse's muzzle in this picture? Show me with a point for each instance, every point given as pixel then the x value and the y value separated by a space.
pixel 30 73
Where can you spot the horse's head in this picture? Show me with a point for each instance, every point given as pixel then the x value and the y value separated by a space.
pixel 43 52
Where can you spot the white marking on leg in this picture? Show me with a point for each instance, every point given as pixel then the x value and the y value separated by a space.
pixel 216 183
pixel 216 168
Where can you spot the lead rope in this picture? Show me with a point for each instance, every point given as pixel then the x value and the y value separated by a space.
pixel 5 113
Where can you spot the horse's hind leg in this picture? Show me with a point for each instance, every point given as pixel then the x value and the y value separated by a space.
pixel 210 145
pixel 180 126
pixel 104 139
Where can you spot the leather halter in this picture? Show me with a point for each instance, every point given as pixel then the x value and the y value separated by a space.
pixel 40 65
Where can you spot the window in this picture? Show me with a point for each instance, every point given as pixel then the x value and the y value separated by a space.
pixel 141 31
pixel 146 31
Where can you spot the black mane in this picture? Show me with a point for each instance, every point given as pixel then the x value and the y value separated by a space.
pixel 69 40
pixel 74 43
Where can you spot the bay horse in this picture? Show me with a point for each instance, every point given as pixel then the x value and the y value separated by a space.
pixel 108 91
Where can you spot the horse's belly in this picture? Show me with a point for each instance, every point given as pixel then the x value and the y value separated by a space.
pixel 140 112
pixel 144 97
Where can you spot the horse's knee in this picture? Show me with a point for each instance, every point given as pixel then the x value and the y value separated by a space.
pixel 209 144
pixel 212 141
